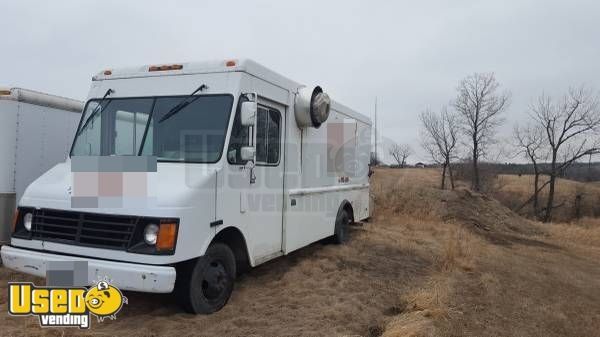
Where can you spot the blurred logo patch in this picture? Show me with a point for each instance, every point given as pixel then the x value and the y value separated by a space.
pixel 111 181
pixel 65 306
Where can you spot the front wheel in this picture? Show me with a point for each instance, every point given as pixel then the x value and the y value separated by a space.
pixel 204 285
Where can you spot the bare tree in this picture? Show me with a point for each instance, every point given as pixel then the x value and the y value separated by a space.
pixel 400 153
pixel 571 129
pixel 439 138
pixel 479 106
pixel 530 141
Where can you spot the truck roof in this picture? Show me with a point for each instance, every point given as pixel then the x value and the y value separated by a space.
pixel 40 98
pixel 204 67
pixel 217 66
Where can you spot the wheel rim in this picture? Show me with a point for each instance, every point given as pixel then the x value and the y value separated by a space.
pixel 214 282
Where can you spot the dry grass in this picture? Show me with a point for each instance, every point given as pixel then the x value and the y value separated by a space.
pixel 514 190
pixel 497 274
pixel 408 192
pixel 322 290
pixel 584 233
pixel 430 263
pixel 458 251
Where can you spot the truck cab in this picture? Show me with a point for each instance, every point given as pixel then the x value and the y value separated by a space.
pixel 181 176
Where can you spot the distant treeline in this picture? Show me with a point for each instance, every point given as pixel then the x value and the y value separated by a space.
pixel 578 171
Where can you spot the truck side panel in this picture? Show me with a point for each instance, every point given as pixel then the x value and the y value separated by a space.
pixel 325 167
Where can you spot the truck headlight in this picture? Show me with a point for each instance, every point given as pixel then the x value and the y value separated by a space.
pixel 155 236
pixel 151 234
pixel 27 221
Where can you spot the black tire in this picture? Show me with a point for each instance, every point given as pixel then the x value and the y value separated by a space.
pixel 204 285
pixel 342 226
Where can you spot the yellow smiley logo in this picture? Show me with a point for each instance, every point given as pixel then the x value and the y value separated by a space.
pixel 104 300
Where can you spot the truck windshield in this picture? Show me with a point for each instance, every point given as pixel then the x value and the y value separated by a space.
pixel 135 126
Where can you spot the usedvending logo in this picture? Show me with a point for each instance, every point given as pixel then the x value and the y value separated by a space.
pixel 65 307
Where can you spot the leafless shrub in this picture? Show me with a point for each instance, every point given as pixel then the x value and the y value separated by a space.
pixel 530 142
pixel 439 138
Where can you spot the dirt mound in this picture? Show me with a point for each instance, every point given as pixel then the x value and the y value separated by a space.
pixel 414 194
pixel 489 218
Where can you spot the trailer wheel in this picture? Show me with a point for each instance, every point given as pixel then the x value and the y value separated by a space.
pixel 205 284
pixel 342 225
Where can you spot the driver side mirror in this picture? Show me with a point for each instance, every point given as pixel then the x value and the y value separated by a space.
pixel 248 113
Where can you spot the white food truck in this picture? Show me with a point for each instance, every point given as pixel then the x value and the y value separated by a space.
pixel 36 132
pixel 249 166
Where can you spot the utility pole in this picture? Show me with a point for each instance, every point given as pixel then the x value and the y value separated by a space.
pixel 376 161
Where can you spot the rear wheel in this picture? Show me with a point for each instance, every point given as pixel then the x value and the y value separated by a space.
pixel 204 285
pixel 342 226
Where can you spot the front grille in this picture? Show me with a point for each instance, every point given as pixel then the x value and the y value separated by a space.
pixel 85 229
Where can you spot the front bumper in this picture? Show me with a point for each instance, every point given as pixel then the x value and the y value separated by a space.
pixel 126 276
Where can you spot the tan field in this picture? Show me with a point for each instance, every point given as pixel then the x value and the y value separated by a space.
pixel 429 263
pixel 513 191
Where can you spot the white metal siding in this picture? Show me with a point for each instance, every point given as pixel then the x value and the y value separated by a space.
pixel 8 130
pixel 43 140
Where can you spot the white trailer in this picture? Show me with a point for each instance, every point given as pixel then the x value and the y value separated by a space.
pixel 36 131
pixel 250 166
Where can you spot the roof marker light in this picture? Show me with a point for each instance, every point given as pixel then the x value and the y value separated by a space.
pixel 230 63
pixel 166 67
pixel 108 72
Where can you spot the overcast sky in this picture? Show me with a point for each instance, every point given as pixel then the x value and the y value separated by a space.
pixel 410 54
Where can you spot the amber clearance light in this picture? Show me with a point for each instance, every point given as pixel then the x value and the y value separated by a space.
pixel 167 234
pixel 166 67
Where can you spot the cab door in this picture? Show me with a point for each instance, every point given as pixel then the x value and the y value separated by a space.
pixel 261 191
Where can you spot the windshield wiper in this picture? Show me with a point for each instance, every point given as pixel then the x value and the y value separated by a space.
pixel 98 109
pixel 182 104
